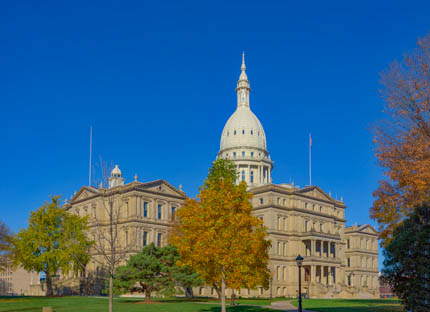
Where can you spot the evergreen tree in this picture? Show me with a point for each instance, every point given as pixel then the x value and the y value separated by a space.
pixel 407 261
pixel 153 270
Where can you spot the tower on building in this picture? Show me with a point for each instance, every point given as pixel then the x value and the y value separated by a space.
pixel 243 140
pixel 116 178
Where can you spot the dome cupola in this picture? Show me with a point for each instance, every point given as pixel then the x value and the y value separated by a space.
pixel 116 178
pixel 243 139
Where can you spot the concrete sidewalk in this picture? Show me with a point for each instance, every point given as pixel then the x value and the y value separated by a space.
pixel 285 306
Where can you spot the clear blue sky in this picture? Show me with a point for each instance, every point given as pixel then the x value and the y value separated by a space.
pixel 156 80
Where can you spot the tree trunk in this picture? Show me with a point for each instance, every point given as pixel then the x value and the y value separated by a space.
pixel 110 293
pixel 223 294
pixel 147 295
pixel 49 290
pixel 232 297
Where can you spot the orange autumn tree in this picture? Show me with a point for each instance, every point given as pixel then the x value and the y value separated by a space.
pixel 403 140
pixel 219 238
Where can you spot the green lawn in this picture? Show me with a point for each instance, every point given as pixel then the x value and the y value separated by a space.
pixel 351 305
pixel 82 304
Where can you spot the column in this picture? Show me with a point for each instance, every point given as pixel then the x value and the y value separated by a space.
pixel 135 206
pixel 313 248
pixel 336 247
pixel 249 175
pixel 313 269
pixel 337 275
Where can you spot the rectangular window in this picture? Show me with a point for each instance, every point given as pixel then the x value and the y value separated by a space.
pixel 306 225
pixel 348 244
pixel 252 176
pixel 261 201
pixel 145 209
pixel 234 154
pixel 159 240
pixel 126 238
pixel 243 154
pixel 145 238
pixel 159 211
pixel 349 262
pixel 306 205
pixel 252 154
pixel 173 212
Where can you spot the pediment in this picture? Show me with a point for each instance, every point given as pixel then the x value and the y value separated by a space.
pixel 367 228
pixel 163 187
pixel 316 192
pixel 83 194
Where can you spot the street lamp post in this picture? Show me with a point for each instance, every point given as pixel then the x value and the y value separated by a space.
pixel 299 261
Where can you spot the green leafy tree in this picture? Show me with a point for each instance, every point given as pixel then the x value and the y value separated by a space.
pixel 54 240
pixel 5 240
pixel 407 261
pixel 219 238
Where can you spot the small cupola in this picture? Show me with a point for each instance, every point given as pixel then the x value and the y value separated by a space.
pixel 116 178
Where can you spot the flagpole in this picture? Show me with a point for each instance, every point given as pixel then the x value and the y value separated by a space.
pixel 91 148
pixel 310 159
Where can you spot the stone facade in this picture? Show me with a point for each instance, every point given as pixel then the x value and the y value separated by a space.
pixel 16 282
pixel 361 256
pixel 146 211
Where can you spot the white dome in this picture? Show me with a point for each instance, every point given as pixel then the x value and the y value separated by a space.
pixel 116 171
pixel 243 129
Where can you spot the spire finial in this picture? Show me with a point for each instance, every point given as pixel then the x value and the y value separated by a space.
pixel 243 61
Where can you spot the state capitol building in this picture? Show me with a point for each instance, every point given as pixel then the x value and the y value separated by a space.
pixel 339 261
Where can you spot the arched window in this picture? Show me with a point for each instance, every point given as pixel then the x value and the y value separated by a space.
pixel 243 175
